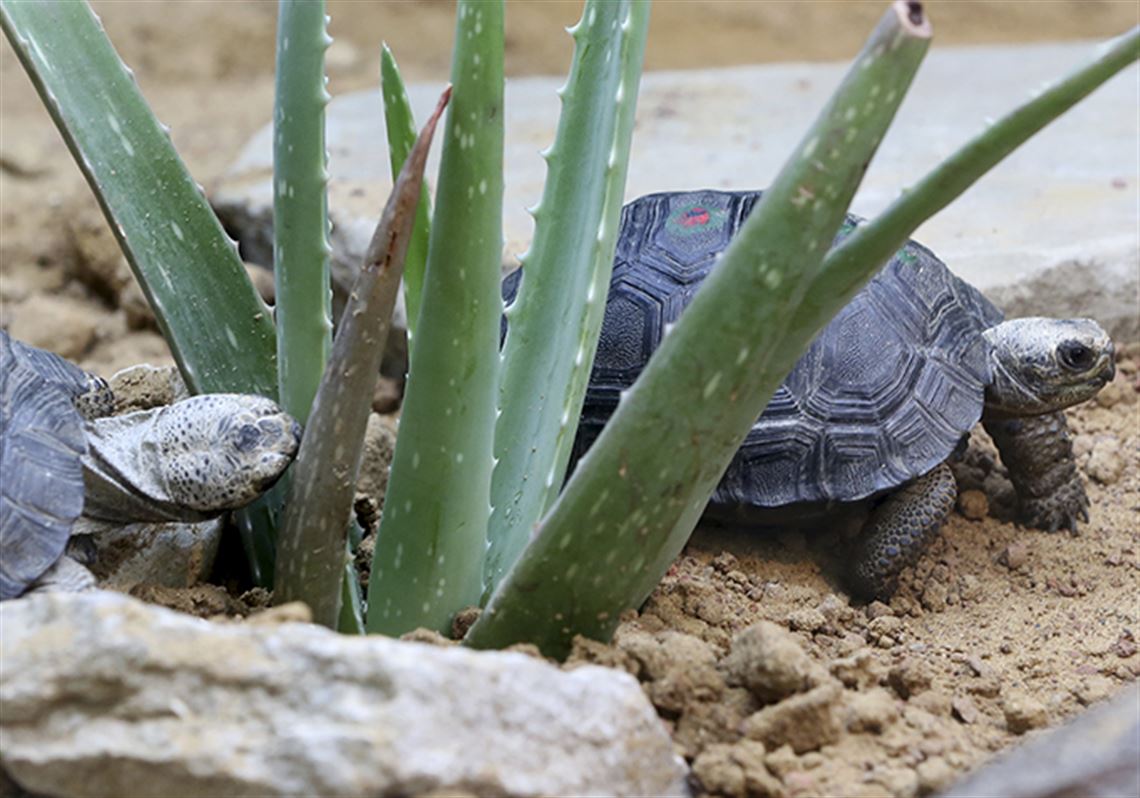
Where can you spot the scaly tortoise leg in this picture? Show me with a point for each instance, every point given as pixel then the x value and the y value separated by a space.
pixel 900 529
pixel 1038 452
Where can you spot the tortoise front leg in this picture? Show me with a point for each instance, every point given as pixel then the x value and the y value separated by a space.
pixel 900 529
pixel 1039 455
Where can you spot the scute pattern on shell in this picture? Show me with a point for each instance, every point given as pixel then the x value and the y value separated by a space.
pixel 41 443
pixel 884 394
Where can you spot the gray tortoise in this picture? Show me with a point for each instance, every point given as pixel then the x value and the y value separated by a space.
pixel 68 470
pixel 880 401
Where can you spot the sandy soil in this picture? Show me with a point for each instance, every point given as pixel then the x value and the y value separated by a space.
pixel 997 632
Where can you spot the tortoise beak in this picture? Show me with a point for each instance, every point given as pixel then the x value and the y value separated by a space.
pixel 1109 370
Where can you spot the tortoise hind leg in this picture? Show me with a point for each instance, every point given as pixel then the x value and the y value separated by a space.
pixel 1039 455
pixel 899 530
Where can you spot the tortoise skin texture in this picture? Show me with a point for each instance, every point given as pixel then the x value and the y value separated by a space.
pixel 883 395
pixel 42 441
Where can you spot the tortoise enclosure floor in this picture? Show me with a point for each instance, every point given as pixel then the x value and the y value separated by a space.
pixel 997 630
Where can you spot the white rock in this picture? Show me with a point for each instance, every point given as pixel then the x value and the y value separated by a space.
pixel 104 695
pixel 1051 231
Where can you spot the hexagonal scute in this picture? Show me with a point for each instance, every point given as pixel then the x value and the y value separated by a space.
pixel 852 463
pixel 631 330
pixel 769 468
pixel 866 369
pixel 689 230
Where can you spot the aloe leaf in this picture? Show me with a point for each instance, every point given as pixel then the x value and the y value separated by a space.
pixel 313 537
pixel 636 496
pixel 401 130
pixel 430 548
pixel 219 330
pixel 876 240
pixel 555 320
pixel 351 618
pixel 300 204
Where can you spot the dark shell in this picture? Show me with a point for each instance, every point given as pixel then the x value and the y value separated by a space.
pixel 42 439
pixel 884 394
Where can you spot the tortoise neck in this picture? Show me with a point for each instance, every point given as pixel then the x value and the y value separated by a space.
pixel 120 474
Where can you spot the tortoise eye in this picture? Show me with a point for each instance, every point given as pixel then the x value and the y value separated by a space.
pixel 248 436
pixel 1075 355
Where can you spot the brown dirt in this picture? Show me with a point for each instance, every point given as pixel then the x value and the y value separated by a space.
pixel 999 630
pixel 776 683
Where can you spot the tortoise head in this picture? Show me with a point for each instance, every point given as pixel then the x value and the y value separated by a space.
pixel 221 451
pixel 1045 365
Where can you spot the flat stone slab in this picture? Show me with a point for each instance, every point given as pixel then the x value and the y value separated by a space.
pixel 105 695
pixel 1096 755
pixel 1051 231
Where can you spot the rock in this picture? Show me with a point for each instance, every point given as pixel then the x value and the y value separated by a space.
pixel 56 322
pixel 736 770
pixel 143 387
pixel 783 761
pixel 910 677
pixel 689 676
pixel 1094 756
pixel 1023 712
pixel 806 620
pixel 1106 462
pixel 963 708
pixel 1083 444
pixel 886 631
pixel 1068 251
pixel 899 782
pixel 376 462
pixel 805 721
pixel 871 711
pixel 860 670
pixel 934 774
pixel 934 702
pixel 1015 555
pixel 1112 394
pixel 102 694
pixel 290 612
pixel 973 504
pixel 767 660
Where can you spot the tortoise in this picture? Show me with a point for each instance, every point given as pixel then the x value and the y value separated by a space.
pixel 70 469
pixel 879 403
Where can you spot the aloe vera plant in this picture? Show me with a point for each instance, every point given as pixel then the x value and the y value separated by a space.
pixel 473 510
pixel 429 550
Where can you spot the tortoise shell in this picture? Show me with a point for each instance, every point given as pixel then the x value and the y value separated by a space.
pixel 884 393
pixel 42 441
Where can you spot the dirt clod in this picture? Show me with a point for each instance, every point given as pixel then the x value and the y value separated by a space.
pixel 769 661
pixel 805 721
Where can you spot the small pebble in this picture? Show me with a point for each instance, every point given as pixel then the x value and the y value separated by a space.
pixel 1106 463
pixel 934 774
pixel 291 612
pixel 962 707
pixel 910 677
pixel 1023 712
pixel 973 504
pixel 872 711
pixel 806 620
pixel 1014 555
